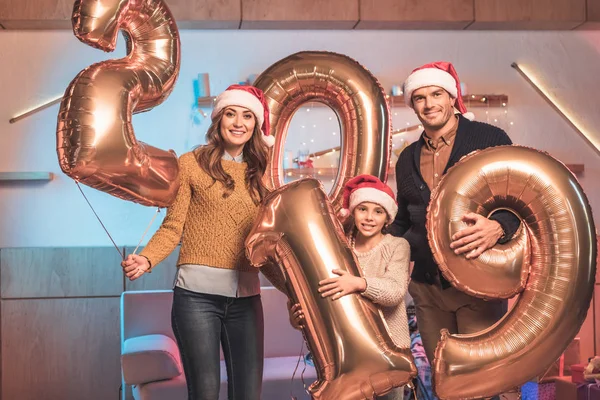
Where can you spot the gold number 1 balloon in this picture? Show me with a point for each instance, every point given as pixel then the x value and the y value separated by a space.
pixel 96 144
pixel 551 263
pixel 355 357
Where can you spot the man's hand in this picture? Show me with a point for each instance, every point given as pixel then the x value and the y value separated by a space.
pixel 481 234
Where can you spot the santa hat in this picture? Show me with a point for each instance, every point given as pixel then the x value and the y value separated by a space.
pixel 251 98
pixel 440 74
pixel 367 188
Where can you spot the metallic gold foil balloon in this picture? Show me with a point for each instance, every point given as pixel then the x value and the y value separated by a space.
pixel 551 262
pixel 355 357
pixel 96 143
pixel 351 91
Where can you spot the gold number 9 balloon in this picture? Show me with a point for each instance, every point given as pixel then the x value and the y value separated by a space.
pixel 551 263
pixel 351 91
pixel 354 356
pixel 96 143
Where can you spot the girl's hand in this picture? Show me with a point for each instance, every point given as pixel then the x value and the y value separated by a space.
pixel 296 315
pixel 340 286
pixel 135 266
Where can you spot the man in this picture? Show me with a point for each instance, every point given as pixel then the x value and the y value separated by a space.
pixel 433 91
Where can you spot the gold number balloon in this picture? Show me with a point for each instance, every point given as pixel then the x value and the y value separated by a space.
pixel 96 143
pixel 351 91
pixel 552 264
pixel 355 357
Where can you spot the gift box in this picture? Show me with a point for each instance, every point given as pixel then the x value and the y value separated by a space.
pixel 588 391
pixel 565 389
pixel 577 373
pixel 538 391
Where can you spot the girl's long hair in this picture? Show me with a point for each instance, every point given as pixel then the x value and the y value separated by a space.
pixel 255 155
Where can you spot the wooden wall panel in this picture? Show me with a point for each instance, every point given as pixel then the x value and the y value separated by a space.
pixel 295 14
pixel 56 14
pixel 410 14
pixel 593 15
pixel 60 349
pixel 60 272
pixel 528 14
pixel 36 14
pixel 161 277
pixel 206 14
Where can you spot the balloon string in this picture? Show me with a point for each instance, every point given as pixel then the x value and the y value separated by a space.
pixel 302 373
pixel 301 355
pixel 411 386
pixel 146 231
pixel 99 220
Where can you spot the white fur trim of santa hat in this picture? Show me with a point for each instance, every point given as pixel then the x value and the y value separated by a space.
pixel 377 196
pixel 428 77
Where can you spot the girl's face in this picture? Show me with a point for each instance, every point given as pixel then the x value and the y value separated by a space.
pixel 369 218
pixel 236 127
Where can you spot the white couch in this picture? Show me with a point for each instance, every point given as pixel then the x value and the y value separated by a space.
pixel 150 360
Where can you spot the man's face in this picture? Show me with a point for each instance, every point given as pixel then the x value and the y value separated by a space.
pixel 434 106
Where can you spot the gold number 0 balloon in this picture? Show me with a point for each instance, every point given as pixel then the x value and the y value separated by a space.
pixel 557 247
pixel 96 144
pixel 354 356
pixel 351 91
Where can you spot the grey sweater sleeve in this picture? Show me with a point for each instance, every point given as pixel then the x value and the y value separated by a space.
pixel 390 288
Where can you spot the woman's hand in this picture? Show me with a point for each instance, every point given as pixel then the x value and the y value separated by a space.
pixel 135 266
pixel 296 315
pixel 340 286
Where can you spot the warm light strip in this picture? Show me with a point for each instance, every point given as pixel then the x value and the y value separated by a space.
pixel 528 76
pixel 34 110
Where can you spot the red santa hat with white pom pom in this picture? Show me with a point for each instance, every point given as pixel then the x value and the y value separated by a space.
pixel 441 74
pixel 367 188
pixel 251 98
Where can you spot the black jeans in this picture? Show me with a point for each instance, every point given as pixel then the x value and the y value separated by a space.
pixel 201 323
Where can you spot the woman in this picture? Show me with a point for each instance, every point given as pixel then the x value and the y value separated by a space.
pixel 216 298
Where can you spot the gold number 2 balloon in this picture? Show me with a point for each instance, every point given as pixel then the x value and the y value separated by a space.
pixel 353 93
pixel 96 143
pixel 551 263
pixel 354 356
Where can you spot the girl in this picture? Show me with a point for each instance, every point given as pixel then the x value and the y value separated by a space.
pixel 384 260
pixel 216 298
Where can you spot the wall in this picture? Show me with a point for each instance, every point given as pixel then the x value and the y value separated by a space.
pixel 37 66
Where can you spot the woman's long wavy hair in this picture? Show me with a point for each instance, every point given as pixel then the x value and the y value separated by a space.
pixel 255 155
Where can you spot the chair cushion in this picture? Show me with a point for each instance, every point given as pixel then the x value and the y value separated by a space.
pixel 150 358
pixel 172 389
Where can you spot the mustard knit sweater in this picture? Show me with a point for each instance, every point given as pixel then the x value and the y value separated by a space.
pixel 214 228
